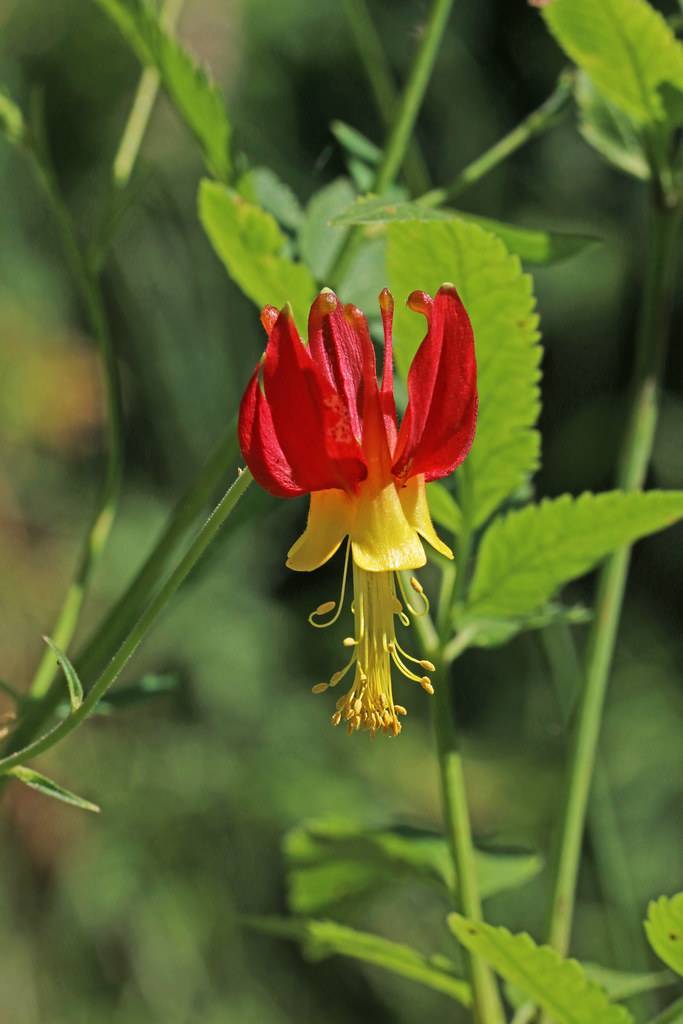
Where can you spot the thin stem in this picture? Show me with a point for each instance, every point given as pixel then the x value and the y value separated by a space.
pixel 672 1014
pixel 105 509
pixel 611 856
pixel 486 1000
pixel 402 124
pixel 633 462
pixel 130 605
pixel 535 123
pixel 373 57
pixel 143 104
pixel 204 538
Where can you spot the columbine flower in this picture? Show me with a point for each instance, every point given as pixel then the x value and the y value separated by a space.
pixel 314 420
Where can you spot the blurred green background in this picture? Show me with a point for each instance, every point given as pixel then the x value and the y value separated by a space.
pixel 132 916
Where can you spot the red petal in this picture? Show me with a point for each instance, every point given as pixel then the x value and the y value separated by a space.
pixel 260 446
pixel 375 441
pixel 337 351
pixel 438 427
pixel 386 305
pixel 311 419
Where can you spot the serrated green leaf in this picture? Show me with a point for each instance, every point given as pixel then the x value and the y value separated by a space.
pixel 189 87
pixel 609 130
pixel 320 939
pixel 620 985
pixel 250 244
pixel 664 929
pixel 334 860
pixel 319 240
pixel 355 143
pixel 530 244
pixel 11 119
pixel 625 46
pixel 70 674
pixel 560 987
pixel 443 507
pixel 501 305
pixel 526 555
pixel 495 632
pixel 47 787
pixel 262 186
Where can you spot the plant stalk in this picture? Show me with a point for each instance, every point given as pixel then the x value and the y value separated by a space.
pixel 538 121
pixel 137 634
pixel 402 125
pixel 371 52
pixel 634 458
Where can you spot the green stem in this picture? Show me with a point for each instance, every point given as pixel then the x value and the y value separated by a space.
pixel 129 606
pixel 611 857
pixel 402 125
pixel 535 123
pixel 143 104
pixel 137 634
pixel 371 52
pixel 105 509
pixel 486 1000
pixel 672 1015
pixel 633 462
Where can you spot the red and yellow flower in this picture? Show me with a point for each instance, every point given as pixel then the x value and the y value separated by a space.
pixel 314 420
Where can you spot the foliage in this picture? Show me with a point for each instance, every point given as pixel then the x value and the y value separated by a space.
pixel 664 928
pixel 560 987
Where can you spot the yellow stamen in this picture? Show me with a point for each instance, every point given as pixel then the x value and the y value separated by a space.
pixel 328 606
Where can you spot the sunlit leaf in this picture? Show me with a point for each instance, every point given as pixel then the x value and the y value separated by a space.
pixel 625 46
pixel 501 305
pixel 190 88
pixel 320 939
pixel 526 555
pixel 620 985
pixel 560 987
pixel 664 929
pixel 530 244
pixel 609 130
pixel 47 787
pixel 72 681
pixel 250 244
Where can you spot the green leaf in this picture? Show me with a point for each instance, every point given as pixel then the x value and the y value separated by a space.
pixel 620 985
pixel 11 119
pixel 443 507
pixel 526 555
pixel 501 305
pixel 560 987
pixel 608 130
pixel 250 244
pixel 495 632
pixel 262 186
pixel 355 143
pixel 72 681
pixel 319 240
pixel 530 244
pixel 625 46
pixel 321 939
pixel 664 929
pixel 333 860
pixel 47 787
pixel 189 87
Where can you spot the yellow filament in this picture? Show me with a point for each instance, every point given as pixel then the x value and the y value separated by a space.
pixel 328 606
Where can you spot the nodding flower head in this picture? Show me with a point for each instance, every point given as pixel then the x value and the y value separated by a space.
pixel 315 420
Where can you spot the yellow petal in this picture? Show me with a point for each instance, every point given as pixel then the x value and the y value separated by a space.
pixel 414 502
pixel 381 537
pixel 330 515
